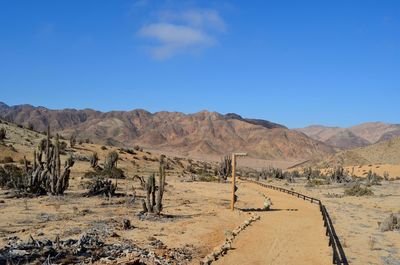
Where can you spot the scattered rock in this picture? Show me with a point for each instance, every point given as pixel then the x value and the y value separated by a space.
pixel 227 245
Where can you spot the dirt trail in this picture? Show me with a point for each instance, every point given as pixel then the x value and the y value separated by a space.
pixel 292 233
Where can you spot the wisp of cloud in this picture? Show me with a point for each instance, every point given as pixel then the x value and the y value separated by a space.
pixel 177 32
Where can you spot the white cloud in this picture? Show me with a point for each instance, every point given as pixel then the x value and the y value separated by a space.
pixel 176 32
pixel 204 18
pixel 173 38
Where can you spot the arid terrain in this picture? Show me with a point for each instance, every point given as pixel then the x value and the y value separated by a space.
pixel 196 225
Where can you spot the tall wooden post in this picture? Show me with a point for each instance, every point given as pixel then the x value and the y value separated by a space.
pixel 234 155
pixel 233 181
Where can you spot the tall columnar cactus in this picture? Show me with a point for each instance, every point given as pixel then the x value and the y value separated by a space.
pixel 154 194
pixel 150 194
pixel 94 160
pixel 46 176
pixel 161 186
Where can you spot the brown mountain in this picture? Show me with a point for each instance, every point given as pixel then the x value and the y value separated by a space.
pixel 387 152
pixel 356 136
pixel 319 132
pixel 190 134
pixel 373 131
pixel 346 140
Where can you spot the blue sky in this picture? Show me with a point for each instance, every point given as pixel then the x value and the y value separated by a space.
pixel 291 62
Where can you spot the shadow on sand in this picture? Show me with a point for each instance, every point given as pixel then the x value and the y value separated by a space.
pixel 264 210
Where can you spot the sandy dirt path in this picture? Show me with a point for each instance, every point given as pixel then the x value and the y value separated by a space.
pixel 292 233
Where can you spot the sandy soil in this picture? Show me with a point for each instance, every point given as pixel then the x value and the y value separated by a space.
pixel 291 233
pixel 362 171
pixel 198 215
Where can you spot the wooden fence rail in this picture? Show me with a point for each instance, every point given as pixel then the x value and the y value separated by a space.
pixel 339 257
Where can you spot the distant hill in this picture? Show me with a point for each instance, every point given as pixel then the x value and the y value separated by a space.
pixel 352 137
pixel 346 140
pixel 189 134
pixel 387 152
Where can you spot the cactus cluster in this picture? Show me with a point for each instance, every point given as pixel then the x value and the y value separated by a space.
pixel 101 183
pixel 46 176
pixel 154 194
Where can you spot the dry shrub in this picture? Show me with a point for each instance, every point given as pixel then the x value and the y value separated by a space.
pixel 390 223
pixel 12 177
pixel 7 159
pixel 358 190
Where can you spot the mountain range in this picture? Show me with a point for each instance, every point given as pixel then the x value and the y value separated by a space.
pixel 356 136
pixel 201 133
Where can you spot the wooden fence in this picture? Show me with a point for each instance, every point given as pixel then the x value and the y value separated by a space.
pixel 338 253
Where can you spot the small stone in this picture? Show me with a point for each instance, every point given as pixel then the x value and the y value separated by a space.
pixel 18 252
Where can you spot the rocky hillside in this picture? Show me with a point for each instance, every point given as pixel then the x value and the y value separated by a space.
pixel 200 133
pixel 352 137
pixel 387 152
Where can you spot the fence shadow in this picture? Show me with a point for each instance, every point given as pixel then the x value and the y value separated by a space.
pixel 264 210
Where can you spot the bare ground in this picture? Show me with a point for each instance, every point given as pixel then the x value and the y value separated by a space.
pixel 291 233
pixel 356 220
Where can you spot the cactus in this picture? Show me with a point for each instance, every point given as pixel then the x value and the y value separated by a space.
pixel 3 134
pixel 46 176
pixel 111 161
pixel 153 202
pixel 225 168
pixel 148 206
pixel 72 141
pixel 94 160
pixel 160 192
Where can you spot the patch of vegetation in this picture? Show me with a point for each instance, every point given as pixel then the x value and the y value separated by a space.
pixel 63 147
pixel 373 178
pixel 277 173
pixel 3 134
pixel 224 169
pixel 127 150
pixel 315 182
pixel 101 183
pixel 12 177
pixel 386 175
pixel 45 176
pixel 207 178
pixel 339 175
pixel 358 190
pixel 138 148
pixel 12 148
pixel 154 194
pixel 391 223
pixel 30 126
pixel 7 159
pixel 101 187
